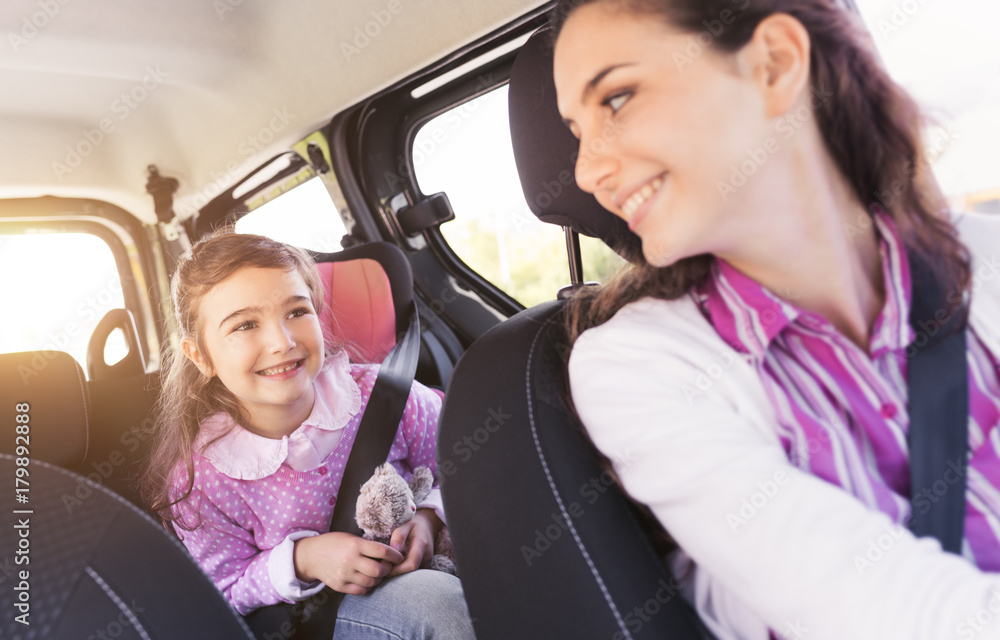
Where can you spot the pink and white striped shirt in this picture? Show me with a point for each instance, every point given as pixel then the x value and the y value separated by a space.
pixel 842 413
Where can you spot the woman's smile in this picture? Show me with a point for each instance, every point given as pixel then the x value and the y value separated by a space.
pixel 638 203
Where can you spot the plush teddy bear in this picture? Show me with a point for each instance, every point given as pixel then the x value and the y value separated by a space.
pixel 386 502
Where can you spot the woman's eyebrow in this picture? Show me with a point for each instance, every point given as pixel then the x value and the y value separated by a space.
pixel 596 80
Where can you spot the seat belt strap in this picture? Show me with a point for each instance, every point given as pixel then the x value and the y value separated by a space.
pixel 315 618
pixel 379 424
pixel 938 405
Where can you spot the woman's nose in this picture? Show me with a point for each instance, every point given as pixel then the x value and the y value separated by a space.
pixel 595 162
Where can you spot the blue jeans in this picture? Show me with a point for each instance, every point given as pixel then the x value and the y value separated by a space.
pixel 421 605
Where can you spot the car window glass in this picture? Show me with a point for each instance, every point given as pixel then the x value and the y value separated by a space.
pixel 65 283
pixel 466 152
pixel 305 217
pixel 946 55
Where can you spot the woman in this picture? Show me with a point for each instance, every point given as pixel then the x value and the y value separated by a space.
pixel 754 364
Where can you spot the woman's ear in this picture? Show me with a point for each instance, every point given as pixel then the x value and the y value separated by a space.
pixel 779 55
pixel 200 359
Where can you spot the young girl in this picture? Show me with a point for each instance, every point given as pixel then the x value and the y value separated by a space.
pixel 256 421
pixel 755 363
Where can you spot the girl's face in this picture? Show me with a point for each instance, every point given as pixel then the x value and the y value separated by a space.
pixel 262 338
pixel 662 120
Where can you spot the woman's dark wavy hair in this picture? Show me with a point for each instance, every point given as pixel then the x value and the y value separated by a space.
pixel 871 127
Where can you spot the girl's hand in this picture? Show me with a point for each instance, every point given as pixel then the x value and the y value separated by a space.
pixel 417 538
pixel 344 562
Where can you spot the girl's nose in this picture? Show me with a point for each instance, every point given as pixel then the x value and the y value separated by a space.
pixel 281 338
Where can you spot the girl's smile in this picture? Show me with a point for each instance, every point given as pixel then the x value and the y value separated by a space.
pixel 260 335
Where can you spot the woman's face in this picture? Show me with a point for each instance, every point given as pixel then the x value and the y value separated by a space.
pixel 663 121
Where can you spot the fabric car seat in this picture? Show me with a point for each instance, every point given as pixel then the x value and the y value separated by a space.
pixel 546 543
pixel 52 384
pixel 367 291
pixel 98 567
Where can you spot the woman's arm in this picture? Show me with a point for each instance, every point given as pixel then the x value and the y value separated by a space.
pixel 795 551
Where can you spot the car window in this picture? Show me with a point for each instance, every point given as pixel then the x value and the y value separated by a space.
pixel 466 152
pixel 65 284
pixel 304 216
pixel 946 56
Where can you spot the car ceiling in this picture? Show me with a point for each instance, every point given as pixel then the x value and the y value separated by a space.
pixel 198 87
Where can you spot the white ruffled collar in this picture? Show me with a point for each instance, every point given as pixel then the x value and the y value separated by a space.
pixel 243 455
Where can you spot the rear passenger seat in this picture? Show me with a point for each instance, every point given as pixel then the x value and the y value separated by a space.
pixel 100 429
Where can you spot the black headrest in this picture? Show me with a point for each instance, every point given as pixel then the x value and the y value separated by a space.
pixel 47 388
pixel 545 152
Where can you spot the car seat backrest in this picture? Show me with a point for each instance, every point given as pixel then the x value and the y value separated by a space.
pixel 51 386
pixel 366 292
pixel 360 310
pixel 545 152
pixel 546 531
pixel 99 567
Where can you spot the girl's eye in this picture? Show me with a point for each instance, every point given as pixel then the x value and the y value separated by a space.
pixel 245 326
pixel 617 101
pixel 299 312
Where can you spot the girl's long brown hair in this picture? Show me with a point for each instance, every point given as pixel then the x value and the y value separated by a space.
pixel 871 127
pixel 187 396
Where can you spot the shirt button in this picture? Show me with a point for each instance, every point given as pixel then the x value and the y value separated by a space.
pixel 332 499
pixel 888 410
pixel 323 471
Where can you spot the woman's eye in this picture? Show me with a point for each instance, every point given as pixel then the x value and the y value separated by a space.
pixel 617 101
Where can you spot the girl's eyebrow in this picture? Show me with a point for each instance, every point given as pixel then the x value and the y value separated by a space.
pixel 258 309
